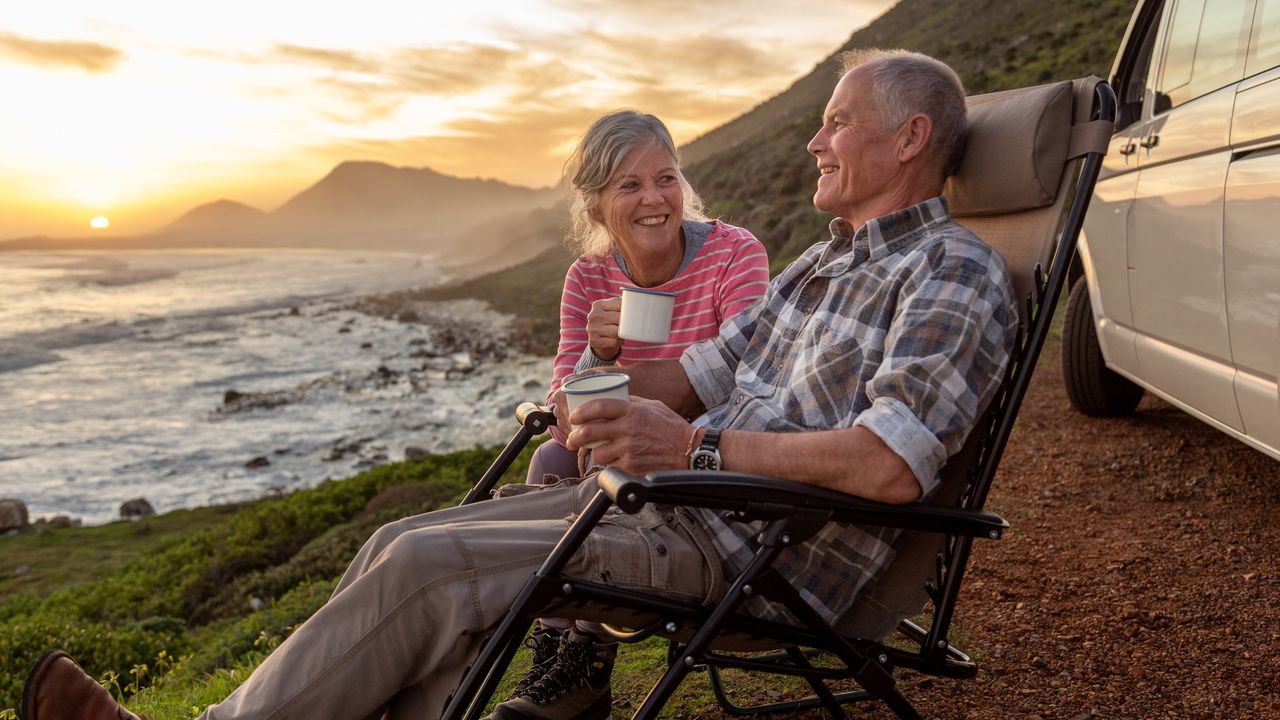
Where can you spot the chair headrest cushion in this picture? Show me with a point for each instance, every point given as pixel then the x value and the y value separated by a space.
pixel 1015 153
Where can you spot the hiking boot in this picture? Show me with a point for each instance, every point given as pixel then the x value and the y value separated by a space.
pixel 575 687
pixel 545 644
pixel 57 689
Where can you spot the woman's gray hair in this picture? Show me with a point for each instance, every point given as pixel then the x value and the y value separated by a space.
pixel 905 83
pixel 595 160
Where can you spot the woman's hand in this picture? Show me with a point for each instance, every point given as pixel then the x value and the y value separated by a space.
pixel 602 328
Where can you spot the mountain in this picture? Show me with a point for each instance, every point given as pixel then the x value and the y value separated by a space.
pixel 357 205
pixel 400 208
pixel 217 217
pixel 754 171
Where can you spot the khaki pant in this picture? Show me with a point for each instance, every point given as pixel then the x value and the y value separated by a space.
pixel 413 607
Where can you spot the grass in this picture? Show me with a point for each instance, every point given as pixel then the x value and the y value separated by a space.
pixel 40 562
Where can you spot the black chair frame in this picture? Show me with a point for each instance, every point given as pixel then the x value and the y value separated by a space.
pixel 792 513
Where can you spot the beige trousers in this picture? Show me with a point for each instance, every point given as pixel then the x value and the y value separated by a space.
pixel 414 606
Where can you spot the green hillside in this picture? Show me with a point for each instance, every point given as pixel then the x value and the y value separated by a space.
pixel 755 172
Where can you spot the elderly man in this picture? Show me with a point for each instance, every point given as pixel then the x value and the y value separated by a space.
pixel 861 370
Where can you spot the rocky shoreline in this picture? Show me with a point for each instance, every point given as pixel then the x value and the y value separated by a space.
pixel 433 367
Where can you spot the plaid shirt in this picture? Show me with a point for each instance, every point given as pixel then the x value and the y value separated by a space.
pixel 904 327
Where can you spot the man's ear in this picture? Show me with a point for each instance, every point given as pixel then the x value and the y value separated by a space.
pixel 913 137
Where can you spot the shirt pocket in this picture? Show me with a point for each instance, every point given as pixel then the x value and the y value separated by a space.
pixel 826 385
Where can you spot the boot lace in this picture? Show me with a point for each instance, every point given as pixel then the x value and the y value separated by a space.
pixel 571 670
pixel 544 644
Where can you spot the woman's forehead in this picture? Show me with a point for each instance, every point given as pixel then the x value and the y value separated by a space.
pixel 645 159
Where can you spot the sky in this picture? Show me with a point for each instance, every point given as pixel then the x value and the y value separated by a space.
pixel 139 110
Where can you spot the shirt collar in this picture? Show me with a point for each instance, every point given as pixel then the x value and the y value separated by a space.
pixel 885 235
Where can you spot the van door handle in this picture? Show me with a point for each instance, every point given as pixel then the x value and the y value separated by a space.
pixel 1128 149
pixel 1150 141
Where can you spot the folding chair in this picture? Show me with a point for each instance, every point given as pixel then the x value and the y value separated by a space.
pixel 1030 165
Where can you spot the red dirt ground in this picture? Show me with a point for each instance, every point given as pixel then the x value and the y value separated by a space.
pixel 1140 577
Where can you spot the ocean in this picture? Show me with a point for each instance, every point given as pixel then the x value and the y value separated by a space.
pixel 191 378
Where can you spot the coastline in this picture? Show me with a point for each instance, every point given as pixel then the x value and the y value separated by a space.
pixel 416 376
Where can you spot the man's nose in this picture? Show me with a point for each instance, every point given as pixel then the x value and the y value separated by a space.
pixel 815 144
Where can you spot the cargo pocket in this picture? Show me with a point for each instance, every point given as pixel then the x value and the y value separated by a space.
pixel 645 552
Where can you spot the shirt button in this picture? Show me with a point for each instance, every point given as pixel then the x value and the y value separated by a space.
pixel 661 550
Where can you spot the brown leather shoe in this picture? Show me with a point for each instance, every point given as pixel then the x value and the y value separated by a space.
pixel 57 689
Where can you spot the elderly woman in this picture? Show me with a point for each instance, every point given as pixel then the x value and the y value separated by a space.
pixel 638 223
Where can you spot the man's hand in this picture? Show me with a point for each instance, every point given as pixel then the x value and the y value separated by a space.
pixel 602 328
pixel 639 435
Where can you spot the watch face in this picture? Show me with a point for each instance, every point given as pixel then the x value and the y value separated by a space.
pixel 705 460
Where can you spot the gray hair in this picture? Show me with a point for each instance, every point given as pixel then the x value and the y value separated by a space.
pixel 595 160
pixel 905 83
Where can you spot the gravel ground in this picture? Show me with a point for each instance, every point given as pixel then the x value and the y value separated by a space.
pixel 1140 578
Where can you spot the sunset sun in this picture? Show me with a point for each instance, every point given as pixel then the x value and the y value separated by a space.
pixel 99 223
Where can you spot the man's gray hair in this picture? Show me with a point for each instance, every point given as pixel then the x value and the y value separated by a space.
pixel 905 83
pixel 595 160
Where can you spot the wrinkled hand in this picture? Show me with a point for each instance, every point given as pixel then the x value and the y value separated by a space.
pixel 602 327
pixel 560 404
pixel 640 435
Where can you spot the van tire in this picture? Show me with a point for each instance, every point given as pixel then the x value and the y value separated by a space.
pixel 1094 389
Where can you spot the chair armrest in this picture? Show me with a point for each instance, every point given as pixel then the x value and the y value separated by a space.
pixel 537 418
pixel 771 498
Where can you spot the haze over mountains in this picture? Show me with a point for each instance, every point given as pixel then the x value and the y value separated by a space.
pixel 358 205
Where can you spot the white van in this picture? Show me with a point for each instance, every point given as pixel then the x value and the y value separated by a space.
pixel 1176 286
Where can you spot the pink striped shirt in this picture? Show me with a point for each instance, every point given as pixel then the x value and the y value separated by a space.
pixel 729 273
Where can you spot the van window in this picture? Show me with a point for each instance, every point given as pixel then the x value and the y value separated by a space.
pixel 1266 37
pixel 1131 85
pixel 1204 50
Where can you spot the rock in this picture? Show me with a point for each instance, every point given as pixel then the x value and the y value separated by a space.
pixel 366 345
pixel 13 515
pixel 136 508
pixel 231 397
pixel 258 462
pixel 407 316
pixel 21 570
pixel 60 521
pixel 256 604
pixel 414 452
pixel 294 310
pixel 344 330
pixel 335 453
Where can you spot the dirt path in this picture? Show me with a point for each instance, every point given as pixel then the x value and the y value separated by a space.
pixel 1140 578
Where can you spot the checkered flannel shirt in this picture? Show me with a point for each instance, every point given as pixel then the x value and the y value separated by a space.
pixel 903 326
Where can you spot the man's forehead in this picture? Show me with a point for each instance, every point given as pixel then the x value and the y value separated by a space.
pixel 852 93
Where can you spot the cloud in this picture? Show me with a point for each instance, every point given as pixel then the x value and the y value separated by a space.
pixel 684 60
pixel 524 146
pixel 445 70
pixel 528 142
pixel 334 59
pixel 89 56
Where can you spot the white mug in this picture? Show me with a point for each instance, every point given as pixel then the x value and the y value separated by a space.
pixel 593 387
pixel 646 315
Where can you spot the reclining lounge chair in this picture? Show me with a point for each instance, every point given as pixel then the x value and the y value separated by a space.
pixel 1030 165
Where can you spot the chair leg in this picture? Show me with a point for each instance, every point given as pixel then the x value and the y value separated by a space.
pixel 701 640
pixel 820 689
pixel 789 706
pixel 479 681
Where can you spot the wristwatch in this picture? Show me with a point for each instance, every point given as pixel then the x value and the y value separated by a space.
pixel 707 456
